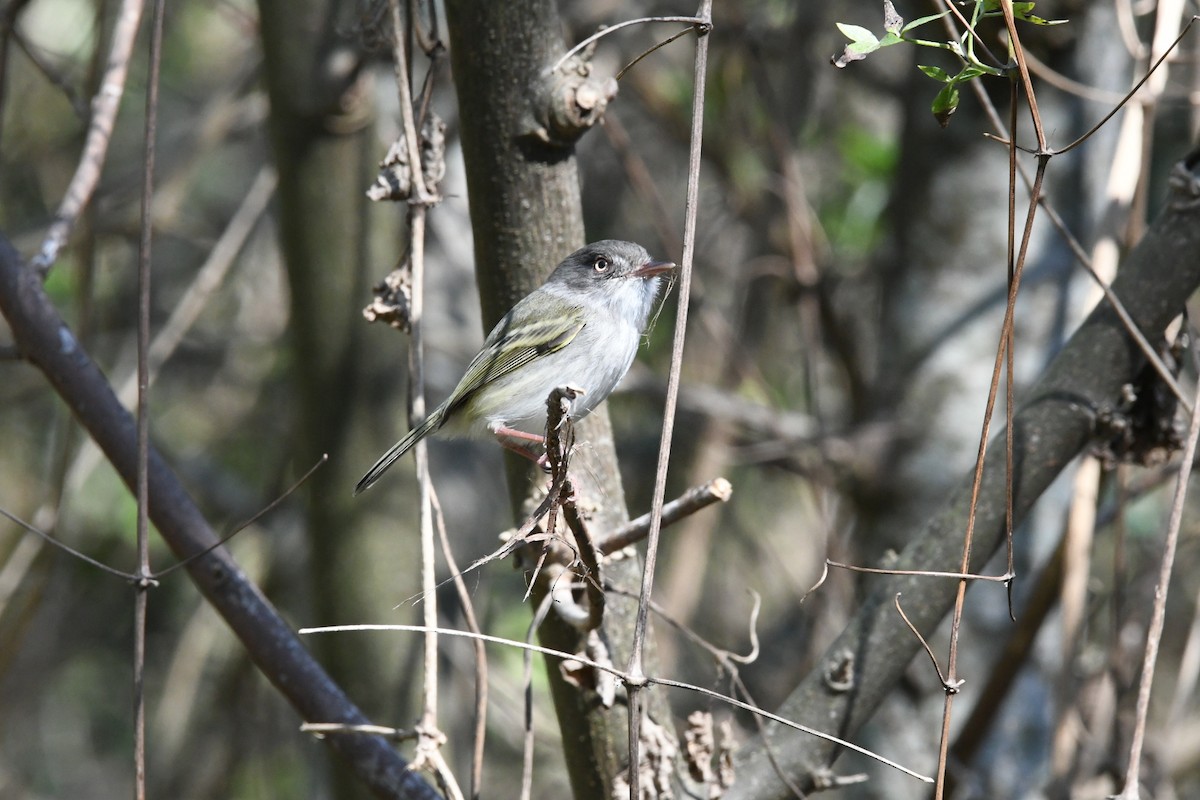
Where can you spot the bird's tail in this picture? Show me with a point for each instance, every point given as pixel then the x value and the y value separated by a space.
pixel 431 423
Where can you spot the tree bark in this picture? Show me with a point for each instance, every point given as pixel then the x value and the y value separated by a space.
pixel 526 215
pixel 320 128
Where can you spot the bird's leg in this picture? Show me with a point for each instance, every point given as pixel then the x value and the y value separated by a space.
pixel 523 443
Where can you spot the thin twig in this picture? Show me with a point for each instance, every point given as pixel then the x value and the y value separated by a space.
pixel 1009 352
pixel 95 149
pixel 655 47
pixel 481 664
pixel 718 490
pixel 636 667
pixel 539 616
pixel 144 581
pixel 429 741
pixel 946 683
pixel 703 22
pixel 1130 94
pixel 1157 619
pixel 129 576
pixel 241 526
pixel 925 573
pixel 400 59
pixel 393 734
pixel 627 678
pixel 588 555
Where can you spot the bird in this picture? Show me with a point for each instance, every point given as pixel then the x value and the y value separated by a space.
pixel 580 328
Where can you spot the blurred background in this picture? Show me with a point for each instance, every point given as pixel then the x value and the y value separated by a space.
pixel 849 286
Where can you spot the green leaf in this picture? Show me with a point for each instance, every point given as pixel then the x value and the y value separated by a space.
pixel 858 35
pixel 890 39
pixel 937 73
pixel 862 42
pixel 1040 21
pixel 919 21
pixel 945 103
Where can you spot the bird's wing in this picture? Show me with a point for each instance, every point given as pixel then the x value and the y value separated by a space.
pixel 515 341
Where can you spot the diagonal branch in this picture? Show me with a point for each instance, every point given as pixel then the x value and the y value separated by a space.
pixel 44 340
pixel 1052 426
pixel 95 149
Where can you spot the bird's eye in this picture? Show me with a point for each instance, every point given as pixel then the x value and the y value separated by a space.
pixel 601 264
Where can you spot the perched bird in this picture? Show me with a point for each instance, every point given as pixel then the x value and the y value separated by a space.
pixel 580 328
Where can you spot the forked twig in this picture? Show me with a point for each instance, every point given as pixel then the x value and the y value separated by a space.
pixel 951 687
pixel 703 23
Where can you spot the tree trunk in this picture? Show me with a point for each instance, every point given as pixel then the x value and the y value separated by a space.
pixel 320 131
pixel 526 215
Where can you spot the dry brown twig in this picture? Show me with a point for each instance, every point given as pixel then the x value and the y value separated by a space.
pixel 1130 790
pixel 95 150
pixel 636 668
pixel 430 739
pixel 144 581
pixel 538 617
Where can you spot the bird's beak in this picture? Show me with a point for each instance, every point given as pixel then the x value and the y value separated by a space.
pixel 653 267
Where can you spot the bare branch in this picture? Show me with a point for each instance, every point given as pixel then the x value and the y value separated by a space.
pixel 45 341
pixel 718 490
pixel 636 667
pixel 95 150
pixel 1130 791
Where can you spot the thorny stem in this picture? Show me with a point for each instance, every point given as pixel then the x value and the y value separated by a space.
pixel 960 597
pixel 1010 346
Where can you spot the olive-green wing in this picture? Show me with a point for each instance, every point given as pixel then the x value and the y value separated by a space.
pixel 516 340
